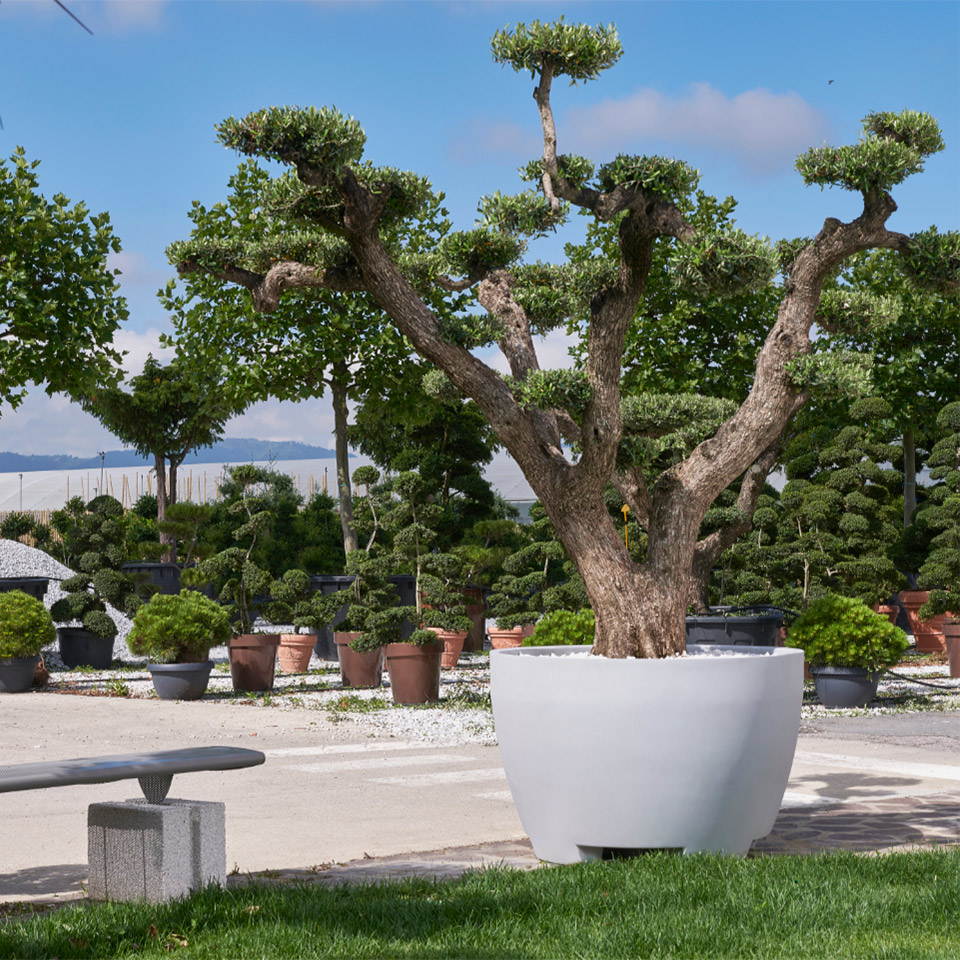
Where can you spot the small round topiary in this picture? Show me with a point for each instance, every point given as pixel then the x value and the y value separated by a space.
pixel 174 626
pixel 837 631
pixel 562 627
pixel 25 625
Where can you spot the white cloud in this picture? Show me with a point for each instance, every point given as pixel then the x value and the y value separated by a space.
pixel 310 421
pixel 137 346
pixel 479 139
pixel 762 129
pixel 135 269
pixel 552 353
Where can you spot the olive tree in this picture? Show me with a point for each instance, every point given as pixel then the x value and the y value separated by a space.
pixel 541 415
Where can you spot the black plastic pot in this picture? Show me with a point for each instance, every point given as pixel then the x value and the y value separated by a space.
pixel 180 681
pixel 33 586
pixel 845 686
pixel 164 576
pixel 327 583
pixel 81 648
pixel 16 673
pixel 756 626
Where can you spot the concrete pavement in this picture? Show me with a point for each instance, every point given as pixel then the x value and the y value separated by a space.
pixel 335 804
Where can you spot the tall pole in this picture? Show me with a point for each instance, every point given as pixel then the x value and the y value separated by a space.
pixel 21 493
pixel 103 454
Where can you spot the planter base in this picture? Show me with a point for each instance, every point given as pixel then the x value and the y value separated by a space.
pixel 358 669
pixel 16 673
pixel 81 648
pixel 180 681
pixel 687 753
pixel 253 661
pixel 414 671
pixel 845 686
pixel 295 650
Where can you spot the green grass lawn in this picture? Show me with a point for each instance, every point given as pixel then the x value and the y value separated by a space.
pixel 660 905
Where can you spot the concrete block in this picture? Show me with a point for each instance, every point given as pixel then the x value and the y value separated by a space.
pixel 155 852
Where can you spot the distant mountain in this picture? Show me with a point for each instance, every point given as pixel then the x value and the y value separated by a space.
pixel 228 450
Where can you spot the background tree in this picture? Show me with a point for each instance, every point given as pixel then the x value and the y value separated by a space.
pixel 639 608
pixel 165 414
pixel 314 341
pixel 59 301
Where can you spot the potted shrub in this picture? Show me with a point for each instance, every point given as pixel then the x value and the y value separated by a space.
pixel 176 631
pixel 244 586
pixel 848 646
pixel 444 610
pixel 25 629
pixel 93 536
pixel 562 627
pixel 574 730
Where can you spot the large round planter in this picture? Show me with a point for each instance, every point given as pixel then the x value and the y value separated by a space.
pixel 180 681
pixel 505 639
pixel 253 660
pixel 16 673
pixel 928 634
pixel 35 587
pixel 414 671
pixel 686 753
pixel 845 686
pixel 951 637
pixel 453 641
pixel 295 650
pixel 358 669
pixel 81 648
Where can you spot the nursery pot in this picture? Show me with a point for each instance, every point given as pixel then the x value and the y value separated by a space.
pixel 741 626
pixel 295 651
pixel 81 648
pixel 951 636
pixel 888 611
pixel 414 671
pixel 928 634
pixel 453 642
pixel 845 686
pixel 505 639
pixel 685 753
pixel 358 669
pixel 16 673
pixel 180 681
pixel 253 659
pixel 35 587
pixel 327 583
pixel 164 576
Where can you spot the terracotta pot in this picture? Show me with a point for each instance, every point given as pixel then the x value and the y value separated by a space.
pixel 295 651
pixel 928 634
pixel 476 610
pixel 885 610
pixel 504 639
pixel 951 637
pixel 453 643
pixel 358 669
pixel 414 671
pixel 253 660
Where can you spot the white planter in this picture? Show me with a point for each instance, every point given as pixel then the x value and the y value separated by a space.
pixel 689 753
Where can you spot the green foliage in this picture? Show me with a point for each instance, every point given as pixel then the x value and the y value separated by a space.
pixel 726 263
pixel 184 521
pixel 537 577
pixel 932 261
pixel 661 177
pixel 569 49
pixel 526 214
pixel 16 525
pixel 940 572
pixel 473 253
pixel 578 170
pixel 846 308
pixel 59 301
pixel 840 631
pixel 25 625
pixel 171 627
pixel 293 601
pixel 563 389
pixel 551 293
pixel 893 147
pixel 323 138
pixel 94 543
pixel 842 373
pixel 562 627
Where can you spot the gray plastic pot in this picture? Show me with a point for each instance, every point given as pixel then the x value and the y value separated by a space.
pixel 16 673
pixel 180 681
pixel 845 686
pixel 81 648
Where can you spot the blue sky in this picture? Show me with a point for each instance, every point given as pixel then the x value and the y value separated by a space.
pixel 124 119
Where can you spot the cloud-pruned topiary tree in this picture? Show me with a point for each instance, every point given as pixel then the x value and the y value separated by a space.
pixel 540 415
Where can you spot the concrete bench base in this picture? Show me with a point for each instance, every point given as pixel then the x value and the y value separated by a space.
pixel 155 852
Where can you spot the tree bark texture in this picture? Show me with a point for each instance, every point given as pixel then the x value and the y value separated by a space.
pixel 169 540
pixel 338 388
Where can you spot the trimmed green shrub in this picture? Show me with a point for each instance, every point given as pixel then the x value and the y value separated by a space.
pixel 562 627
pixel 25 625
pixel 837 631
pixel 173 626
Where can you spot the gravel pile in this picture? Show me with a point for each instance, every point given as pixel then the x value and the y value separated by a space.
pixel 19 560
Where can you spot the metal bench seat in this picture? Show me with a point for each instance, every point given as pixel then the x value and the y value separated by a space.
pixel 154 770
